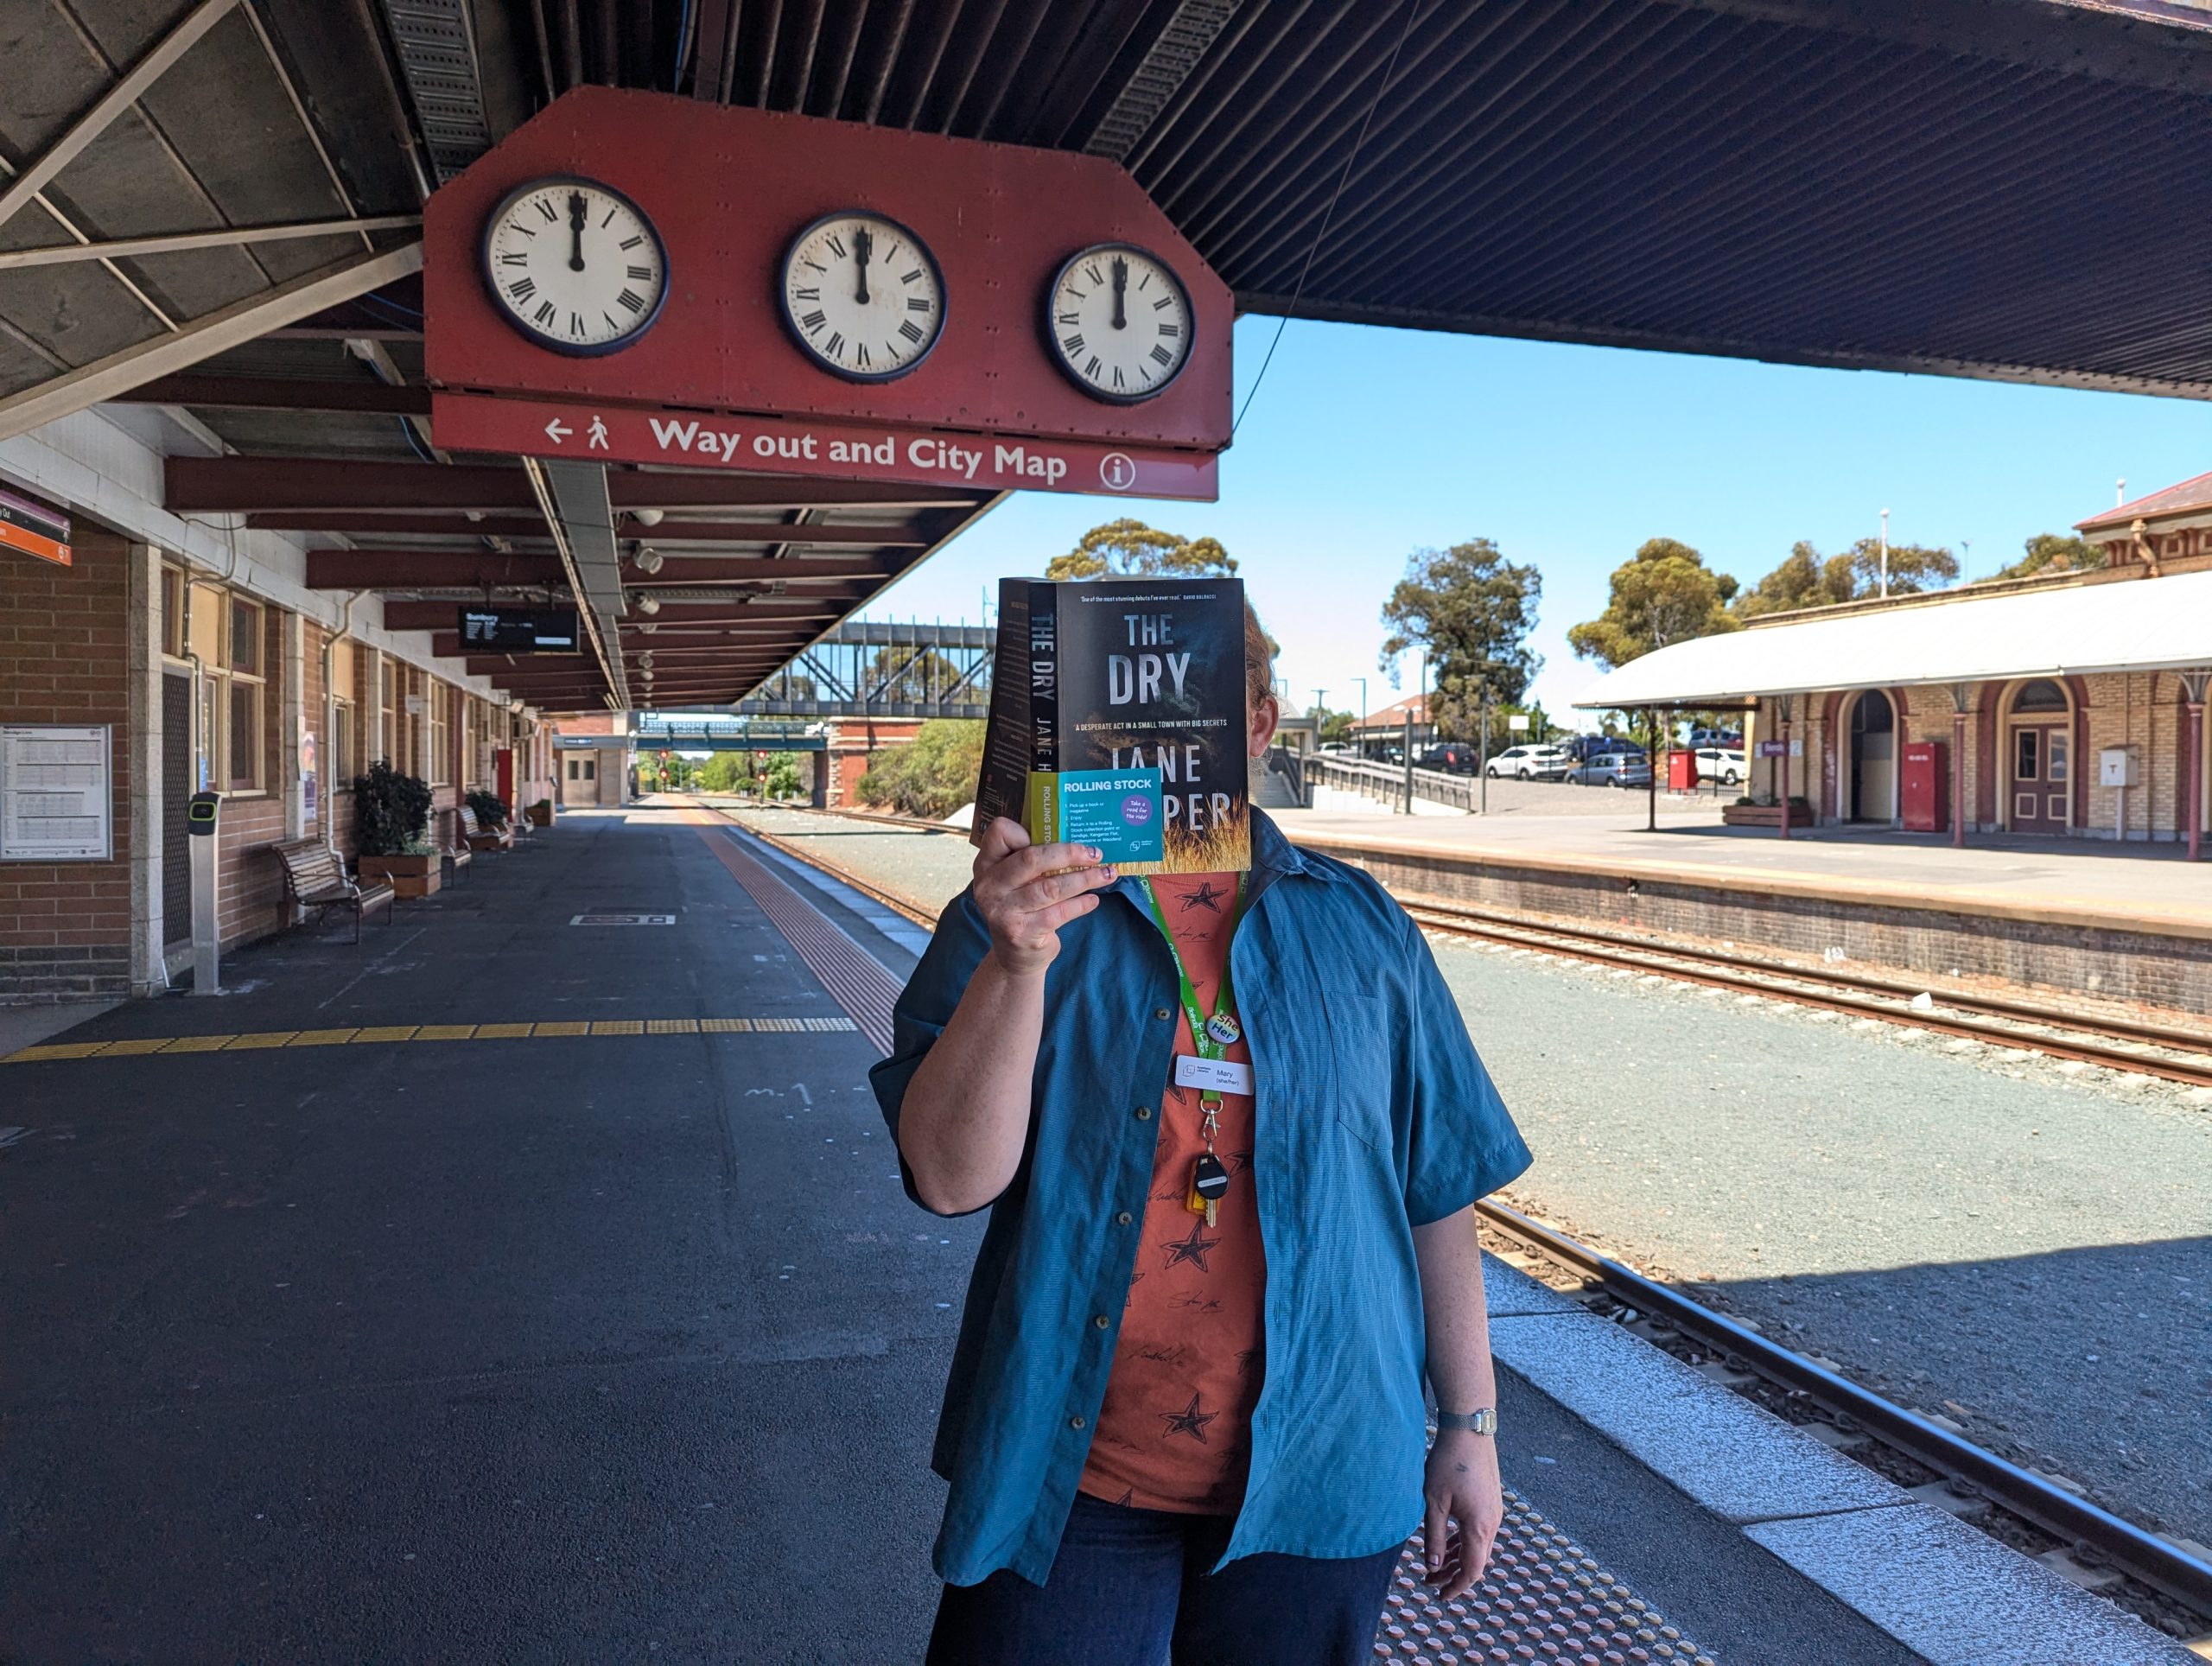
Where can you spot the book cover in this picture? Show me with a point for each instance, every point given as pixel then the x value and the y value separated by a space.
pixel 1124 676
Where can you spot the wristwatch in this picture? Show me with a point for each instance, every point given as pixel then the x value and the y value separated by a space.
pixel 1474 1422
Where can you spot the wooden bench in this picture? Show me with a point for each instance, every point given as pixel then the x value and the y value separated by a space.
pixel 474 832
pixel 315 879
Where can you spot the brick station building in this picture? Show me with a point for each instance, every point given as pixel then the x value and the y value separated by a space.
pixel 2066 705
pixel 194 662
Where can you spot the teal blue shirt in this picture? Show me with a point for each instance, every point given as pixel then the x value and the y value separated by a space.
pixel 1373 1117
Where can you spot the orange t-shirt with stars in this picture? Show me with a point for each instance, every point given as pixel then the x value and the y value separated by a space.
pixel 1174 1433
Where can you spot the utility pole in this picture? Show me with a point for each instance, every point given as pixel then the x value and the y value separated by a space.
pixel 1886 553
pixel 1363 714
pixel 1482 752
pixel 1966 558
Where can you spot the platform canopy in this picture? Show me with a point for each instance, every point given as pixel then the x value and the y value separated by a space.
pixel 213 207
pixel 2123 624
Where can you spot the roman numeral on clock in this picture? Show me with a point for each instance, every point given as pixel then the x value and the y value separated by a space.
pixel 911 330
pixel 860 348
pixel 1164 301
pixel 1161 356
pixel 629 243
pixel 514 260
pixel 1073 344
pixel 809 294
pixel 835 345
pixel 637 271
pixel 632 299
pixel 544 314
pixel 548 210
pixel 1171 329
pixel 813 321
pixel 836 246
pixel 522 288
pixel 918 303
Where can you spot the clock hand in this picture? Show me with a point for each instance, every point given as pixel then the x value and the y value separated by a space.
pixel 1121 284
pixel 861 243
pixel 576 230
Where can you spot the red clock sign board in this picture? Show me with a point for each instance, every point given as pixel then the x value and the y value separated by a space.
pixel 719 213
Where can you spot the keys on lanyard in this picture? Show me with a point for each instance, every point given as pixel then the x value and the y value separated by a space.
pixel 1212 1036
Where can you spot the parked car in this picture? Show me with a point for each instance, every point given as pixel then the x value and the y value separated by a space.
pixel 1612 769
pixel 1451 756
pixel 1584 748
pixel 1720 764
pixel 1726 739
pixel 1530 763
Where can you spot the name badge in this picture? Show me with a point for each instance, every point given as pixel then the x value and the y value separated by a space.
pixel 1217 1075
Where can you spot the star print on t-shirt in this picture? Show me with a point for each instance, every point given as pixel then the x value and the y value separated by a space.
pixel 1190 1420
pixel 1192 1248
pixel 1207 896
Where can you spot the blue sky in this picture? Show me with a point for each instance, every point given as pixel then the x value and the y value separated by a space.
pixel 1364 445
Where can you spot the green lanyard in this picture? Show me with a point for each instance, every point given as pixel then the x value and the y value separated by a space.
pixel 1212 1036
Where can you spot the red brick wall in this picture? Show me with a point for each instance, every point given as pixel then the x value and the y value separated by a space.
pixel 65 927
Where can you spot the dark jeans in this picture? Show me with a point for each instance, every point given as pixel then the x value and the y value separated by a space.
pixel 1130 1588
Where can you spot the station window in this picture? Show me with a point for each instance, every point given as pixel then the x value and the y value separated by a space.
pixel 245 698
pixel 342 766
pixel 173 612
pixel 440 704
pixel 388 713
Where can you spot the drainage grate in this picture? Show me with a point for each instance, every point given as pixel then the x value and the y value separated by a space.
pixel 1544 1598
pixel 621 920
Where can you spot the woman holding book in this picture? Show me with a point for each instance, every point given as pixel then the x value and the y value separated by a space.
pixel 1230 1126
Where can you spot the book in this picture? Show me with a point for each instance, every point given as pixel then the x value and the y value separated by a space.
pixel 1124 678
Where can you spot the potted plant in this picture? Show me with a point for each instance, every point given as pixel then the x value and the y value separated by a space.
pixel 491 812
pixel 391 821
pixel 541 813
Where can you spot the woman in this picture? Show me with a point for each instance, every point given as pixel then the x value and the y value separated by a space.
pixel 1230 1128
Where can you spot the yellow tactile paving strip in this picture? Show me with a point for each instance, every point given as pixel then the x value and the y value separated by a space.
pixel 551 1029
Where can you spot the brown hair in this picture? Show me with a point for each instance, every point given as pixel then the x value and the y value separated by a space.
pixel 1259 662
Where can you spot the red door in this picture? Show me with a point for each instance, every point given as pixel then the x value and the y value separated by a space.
pixel 2042 766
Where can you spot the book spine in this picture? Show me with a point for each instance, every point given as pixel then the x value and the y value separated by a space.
pixel 1043 817
pixel 1003 787
pixel 1044 677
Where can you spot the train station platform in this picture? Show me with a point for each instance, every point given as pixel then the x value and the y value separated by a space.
pixel 533 1281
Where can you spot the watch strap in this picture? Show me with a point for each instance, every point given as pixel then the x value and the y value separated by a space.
pixel 1473 1423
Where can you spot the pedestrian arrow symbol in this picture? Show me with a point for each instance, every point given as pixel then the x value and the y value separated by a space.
pixel 556 430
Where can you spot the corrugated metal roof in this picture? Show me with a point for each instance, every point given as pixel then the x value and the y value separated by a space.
pixel 2195 492
pixel 2163 624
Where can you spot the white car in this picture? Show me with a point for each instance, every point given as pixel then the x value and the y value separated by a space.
pixel 1720 764
pixel 1530 763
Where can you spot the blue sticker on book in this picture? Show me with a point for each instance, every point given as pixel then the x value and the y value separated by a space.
pixel 1117 810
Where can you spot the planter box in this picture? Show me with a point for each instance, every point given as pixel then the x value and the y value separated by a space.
pixel 410 876
pixel 1765 816
pixel 540 815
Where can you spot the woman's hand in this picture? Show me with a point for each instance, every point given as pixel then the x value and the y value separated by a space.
pixel 1462 1487
pixel 1026 892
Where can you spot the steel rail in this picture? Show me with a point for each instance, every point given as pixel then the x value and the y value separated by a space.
pixel 837 871
pixel 2141 1554
pixel 2086 1052
pixel 2143 1030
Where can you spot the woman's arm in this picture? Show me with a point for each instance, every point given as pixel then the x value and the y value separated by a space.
pixel 1462 1484
pixel 965 1117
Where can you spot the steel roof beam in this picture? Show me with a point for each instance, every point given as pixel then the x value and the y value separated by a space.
pixel 202 338
pixel 219 485
pixel 410 569
pixel 63 254
pixel 214 392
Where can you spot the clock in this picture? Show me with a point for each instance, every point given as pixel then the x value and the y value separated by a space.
pixel 1117 322
pixel 862 295
pixel 575 265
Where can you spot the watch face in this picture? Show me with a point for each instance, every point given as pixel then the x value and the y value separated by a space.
pixel 862 296
pixel 1119 322
pixel 575 265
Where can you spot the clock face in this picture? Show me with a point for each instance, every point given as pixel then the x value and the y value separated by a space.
pixel 576 266
pixel 862 296
pixel 1119 322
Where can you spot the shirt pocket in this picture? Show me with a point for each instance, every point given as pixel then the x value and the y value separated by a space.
pixel 1359 1061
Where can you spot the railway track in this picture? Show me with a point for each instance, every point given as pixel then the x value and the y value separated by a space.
pixel 2152 1048
pixel 2151 1562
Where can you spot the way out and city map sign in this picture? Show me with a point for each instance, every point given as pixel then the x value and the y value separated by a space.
pixel 836 450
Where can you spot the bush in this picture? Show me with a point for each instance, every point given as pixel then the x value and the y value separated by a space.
pixel 932 777
pixel 391 813
pixel 782 780
pixel 490 809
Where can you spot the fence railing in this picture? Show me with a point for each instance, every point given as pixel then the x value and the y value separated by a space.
pixel 1386 783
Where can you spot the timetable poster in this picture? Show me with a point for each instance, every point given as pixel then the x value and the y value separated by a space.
pixel 55 803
